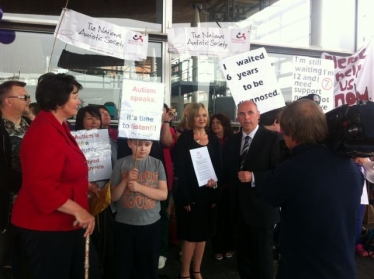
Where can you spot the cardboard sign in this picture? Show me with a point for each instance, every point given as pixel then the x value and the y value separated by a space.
pixel 209 41
pixel 313 76
pixel 141 110
pixel 95 146
pixel 250 77
pixel 100 36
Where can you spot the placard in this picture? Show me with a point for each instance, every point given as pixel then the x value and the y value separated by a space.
pixel 313 76
pixel 95 145
pixel 353 76
pixel 250 77
pixel 141 110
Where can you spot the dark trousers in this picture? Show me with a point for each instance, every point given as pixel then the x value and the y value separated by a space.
pixel 164 249
pixel 11 252
pixel 7 248
pixel 58 255
pixel 102 239
pixel 254 252
pixel 223 239
pixel 136 250
pixel 360 220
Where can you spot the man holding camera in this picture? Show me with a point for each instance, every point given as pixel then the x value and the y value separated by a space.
pixel 319 193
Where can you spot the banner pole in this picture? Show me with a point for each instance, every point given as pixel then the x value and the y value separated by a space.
pixel 58 29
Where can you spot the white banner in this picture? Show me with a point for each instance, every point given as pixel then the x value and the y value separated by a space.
pixel 353 76
pixel 141 110
pixel 313 76
pixel 250 77
pixel 209 41
pixel 100 36
pixel 95 146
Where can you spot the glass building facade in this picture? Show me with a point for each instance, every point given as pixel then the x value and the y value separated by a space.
pixel 284 28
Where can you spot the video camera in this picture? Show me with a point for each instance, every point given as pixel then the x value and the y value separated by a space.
pixel 351 129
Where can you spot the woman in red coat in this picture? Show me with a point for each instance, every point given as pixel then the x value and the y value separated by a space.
pixel 51 210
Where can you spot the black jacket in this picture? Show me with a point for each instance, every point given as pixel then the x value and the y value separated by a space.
pixel 10 179
pixel 262 156
pixel 319 193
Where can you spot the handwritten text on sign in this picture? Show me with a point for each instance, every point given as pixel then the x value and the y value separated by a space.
pixel 141 110
pixel 314 76
pixel 353 76
pixel 101 36
pixel 95 146
pixel 250 77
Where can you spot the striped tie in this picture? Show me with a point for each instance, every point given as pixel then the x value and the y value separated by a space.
pixel 243 153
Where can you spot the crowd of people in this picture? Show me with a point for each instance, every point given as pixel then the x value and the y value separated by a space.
pixel 274 172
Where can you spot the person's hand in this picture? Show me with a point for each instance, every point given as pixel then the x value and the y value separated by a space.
pixel 214 205
pixel 167 115
pixel 188 208
pixel 177 135
pixel 211 183
pixel 133 174
pixel 94 189
pixel 85 220
pixel 360 160
pixel 133 186
pixel 245 176
pixel 124 175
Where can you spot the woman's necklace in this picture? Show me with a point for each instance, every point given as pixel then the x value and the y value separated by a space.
pixel 200 137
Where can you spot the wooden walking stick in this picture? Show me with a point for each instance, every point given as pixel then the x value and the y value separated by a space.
pixel 136 156
pixel 136 153
pixel 87 258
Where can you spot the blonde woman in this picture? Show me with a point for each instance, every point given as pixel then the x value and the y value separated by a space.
pixel 194 213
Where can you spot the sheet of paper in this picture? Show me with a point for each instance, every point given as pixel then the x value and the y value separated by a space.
pixel 203 165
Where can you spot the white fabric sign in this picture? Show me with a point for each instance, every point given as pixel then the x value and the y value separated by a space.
pixel 100 36
pixel 313 76
pixel 208 41
pixel 95 146
pixel 141 110
pixel 353 76
pixel 250 77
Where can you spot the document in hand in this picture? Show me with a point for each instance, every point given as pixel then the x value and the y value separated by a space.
pixel 203 165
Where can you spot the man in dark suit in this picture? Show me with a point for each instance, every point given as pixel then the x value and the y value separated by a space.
pixel 248 156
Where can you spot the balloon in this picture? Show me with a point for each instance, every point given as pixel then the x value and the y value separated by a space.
pixel 7 36
pixel 369 167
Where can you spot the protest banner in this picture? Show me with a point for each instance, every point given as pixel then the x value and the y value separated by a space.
pixel 208 41
pixel 141 110
pixel 353 76
pixel 100 36
pixel 250 77
pixel 95 146
pixel 313 76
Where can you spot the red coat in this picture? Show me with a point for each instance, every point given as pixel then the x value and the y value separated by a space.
pixel 54 170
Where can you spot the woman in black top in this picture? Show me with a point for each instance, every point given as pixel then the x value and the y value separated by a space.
pixel 195 203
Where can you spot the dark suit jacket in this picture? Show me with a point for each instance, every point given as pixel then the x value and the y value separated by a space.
pixel 263 155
